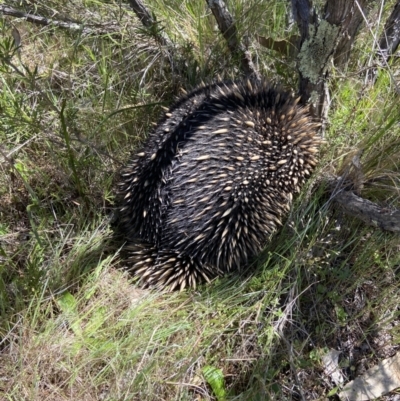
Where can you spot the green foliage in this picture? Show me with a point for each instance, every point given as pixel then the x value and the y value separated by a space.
pixel 215 378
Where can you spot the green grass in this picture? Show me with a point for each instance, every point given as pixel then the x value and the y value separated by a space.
pixel 74 326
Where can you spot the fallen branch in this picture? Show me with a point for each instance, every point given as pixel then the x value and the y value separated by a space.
pixel 367 211
pixel 345 190
pixel 39 20
pixel 228 29
pixel 137 6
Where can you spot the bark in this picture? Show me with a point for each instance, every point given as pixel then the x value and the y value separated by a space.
pixel 304 15
pixel 315 49
pixel 320 38
pixel 147 20
pixel 346 194
pixel 142 13
pixel 351 27
pixel 369 212
pixel 228 30
pixel 390 38
pixel 159 35
pixel 37 19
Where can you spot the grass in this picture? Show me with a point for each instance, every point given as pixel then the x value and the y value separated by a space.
pixel 74 325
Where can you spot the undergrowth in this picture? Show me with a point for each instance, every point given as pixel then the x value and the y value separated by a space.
pixel 73 325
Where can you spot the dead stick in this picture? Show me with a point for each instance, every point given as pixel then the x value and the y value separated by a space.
pixel 228 29
pixel 37 19
pixel 147 20
pixel 367 211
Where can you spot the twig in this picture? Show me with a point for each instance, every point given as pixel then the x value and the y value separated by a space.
pixel 18 148
pixel 228 29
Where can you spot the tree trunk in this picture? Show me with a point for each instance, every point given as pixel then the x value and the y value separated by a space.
pixel 319 42
pixel 389 41
pixel 352 23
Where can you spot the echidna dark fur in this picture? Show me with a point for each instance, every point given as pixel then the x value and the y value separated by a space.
pixel 212 181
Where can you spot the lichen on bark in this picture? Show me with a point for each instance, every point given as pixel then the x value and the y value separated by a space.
pixel 317 49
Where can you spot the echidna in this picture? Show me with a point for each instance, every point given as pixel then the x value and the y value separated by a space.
pixel 213 180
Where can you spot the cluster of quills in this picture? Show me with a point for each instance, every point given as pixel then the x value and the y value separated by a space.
pixel 213 181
